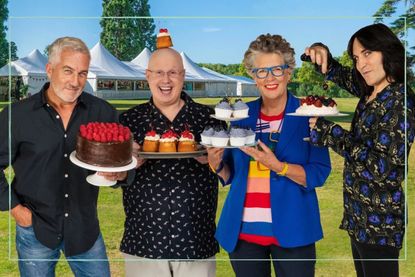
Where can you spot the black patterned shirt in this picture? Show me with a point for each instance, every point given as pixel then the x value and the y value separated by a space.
pixel 171 206
pixel 374 168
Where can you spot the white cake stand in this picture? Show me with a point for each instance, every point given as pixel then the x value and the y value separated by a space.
pixel 97 180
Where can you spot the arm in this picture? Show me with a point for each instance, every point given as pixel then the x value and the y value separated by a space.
pixel 21 214
pixel 379 155
pixel 5 155
pixel 344 77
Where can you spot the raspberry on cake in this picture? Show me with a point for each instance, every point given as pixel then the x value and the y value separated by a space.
pixel 104 144
pixel 168 142
pixel 317 105
pixel 163 39
pixel 186 142
pixel 151 141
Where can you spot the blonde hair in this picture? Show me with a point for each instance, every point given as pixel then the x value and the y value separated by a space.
pixel 66 43
pixel 269 44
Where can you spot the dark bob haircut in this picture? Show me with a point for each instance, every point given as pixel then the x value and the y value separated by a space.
pixel 378 37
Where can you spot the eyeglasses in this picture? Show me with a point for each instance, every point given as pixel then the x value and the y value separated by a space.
pixel 263 72
pixel 174 74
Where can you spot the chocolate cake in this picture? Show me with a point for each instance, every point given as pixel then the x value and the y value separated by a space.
pixel 104 144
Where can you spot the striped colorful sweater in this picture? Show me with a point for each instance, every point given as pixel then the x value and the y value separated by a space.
pixel 257 219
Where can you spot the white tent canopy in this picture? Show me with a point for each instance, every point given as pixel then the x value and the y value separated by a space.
pixel 198 73
pixel 31 68
pixel 32 64
pixel 109 65
pixel 244 86
pixel 142 58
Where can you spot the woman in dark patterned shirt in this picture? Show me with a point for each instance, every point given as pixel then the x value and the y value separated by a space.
pixel 376 147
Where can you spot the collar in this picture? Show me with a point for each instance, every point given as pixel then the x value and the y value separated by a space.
pixel 41 101
pixel 188 101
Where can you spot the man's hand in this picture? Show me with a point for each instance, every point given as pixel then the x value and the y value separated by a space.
pixel 319 55
pixel 214 156
pixel 114 176
pixel 136 149
pixel 22 215
pixel 312 122
pixel 202 159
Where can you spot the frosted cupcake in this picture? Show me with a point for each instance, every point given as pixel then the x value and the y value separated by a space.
pixel 240 109
pixel 250 137
pixel 207 135
pixel 151 141
pixel 220 138
pixel 237 136
pixel 223 109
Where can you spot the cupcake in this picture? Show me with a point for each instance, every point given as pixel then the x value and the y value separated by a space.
pixel 186 142
pixel 223 109
pixel 207 135
pixel 250 137
pixel 220 138
pixel 163 39
pixel 168 142
pixel 240 109
pixel 237 136
pixel 151 141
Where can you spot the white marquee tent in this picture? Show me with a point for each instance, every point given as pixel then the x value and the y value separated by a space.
pixel 244 86
pixel 111 78
pixel 31 68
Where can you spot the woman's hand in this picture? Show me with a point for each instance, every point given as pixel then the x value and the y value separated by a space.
pixel 265 156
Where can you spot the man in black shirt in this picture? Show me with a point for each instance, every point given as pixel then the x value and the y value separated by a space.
pixel 54 207
pixel 171 205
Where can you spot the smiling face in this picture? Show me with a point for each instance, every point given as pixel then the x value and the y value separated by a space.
pixel 165 76
pixel 271 88
pixel 370 66
pixel 67 76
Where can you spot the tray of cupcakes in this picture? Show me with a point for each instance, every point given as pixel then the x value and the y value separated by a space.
pixel 170 146
pixel 222 138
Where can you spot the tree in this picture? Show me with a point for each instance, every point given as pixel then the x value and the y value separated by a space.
pixel 13 51
pixel 4 45
pixel 123 34
pixel 388 9
pixel 345 60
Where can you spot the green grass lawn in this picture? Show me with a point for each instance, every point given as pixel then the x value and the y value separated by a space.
pixel 333 252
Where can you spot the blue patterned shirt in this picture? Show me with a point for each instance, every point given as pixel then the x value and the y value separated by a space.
pixel 374 166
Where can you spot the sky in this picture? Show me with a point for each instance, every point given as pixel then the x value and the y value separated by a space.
pixel 215 31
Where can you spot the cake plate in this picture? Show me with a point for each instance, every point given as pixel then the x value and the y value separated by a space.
pixel 97 180
pixel 317 115
pixel 172 155
pixel 230 146
pixel 228 118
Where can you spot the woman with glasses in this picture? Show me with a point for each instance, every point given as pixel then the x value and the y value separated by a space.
pixel 376 146
pixel 271 210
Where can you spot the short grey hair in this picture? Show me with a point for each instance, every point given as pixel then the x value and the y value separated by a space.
pixel 66 43
pixel 269 44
